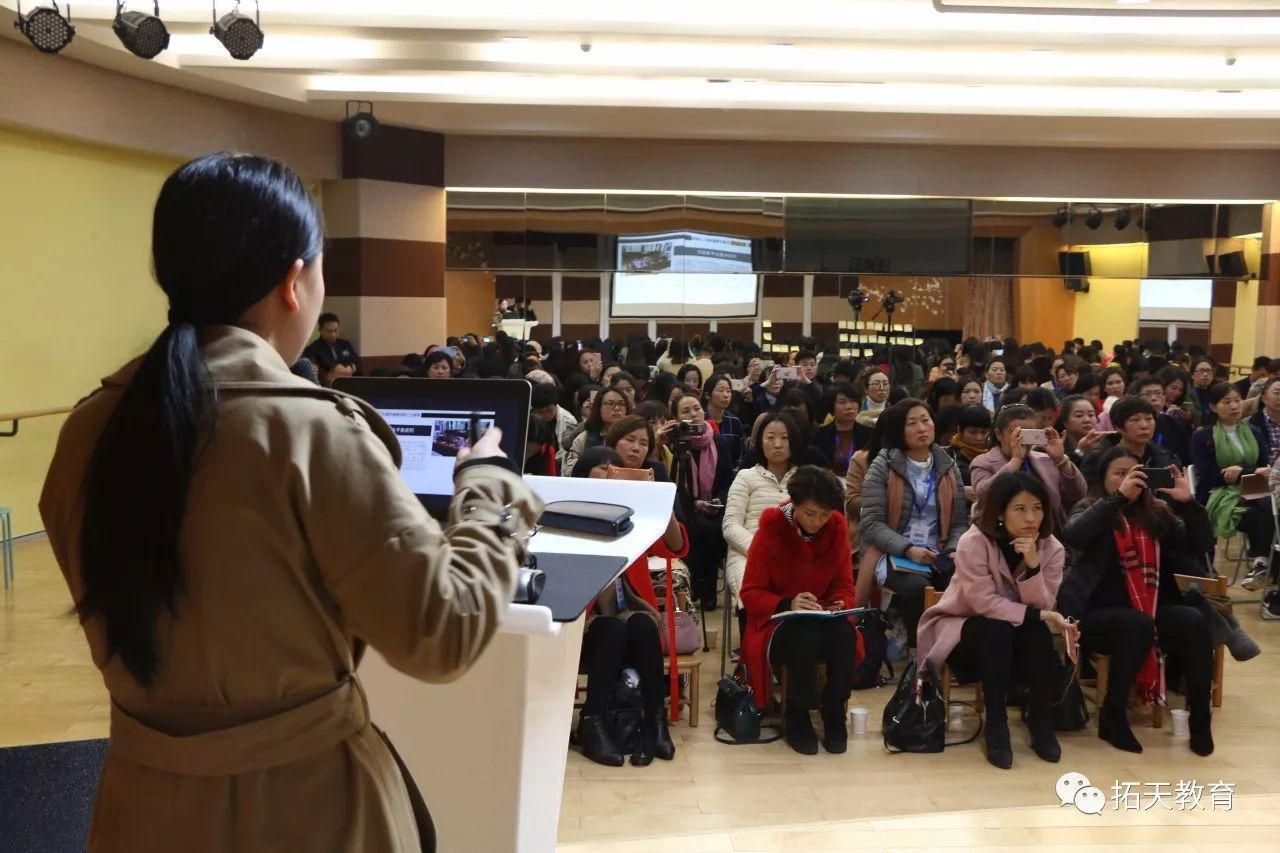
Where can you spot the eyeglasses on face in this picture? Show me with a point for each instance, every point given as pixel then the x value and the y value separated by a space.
pixel 614 404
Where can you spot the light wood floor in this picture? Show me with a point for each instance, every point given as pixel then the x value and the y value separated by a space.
pixel 765 798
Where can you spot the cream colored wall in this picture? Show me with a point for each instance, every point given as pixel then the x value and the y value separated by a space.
pixel 76 295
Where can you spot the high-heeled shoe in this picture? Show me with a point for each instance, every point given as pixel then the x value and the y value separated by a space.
pixel 1044 742
pixel 658 734
pixel 1113 727
pixel 999 750
pixel 1198 727
pixel 597 741
pixel 835 734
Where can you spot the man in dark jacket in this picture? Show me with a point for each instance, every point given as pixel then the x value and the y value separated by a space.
pixel 332 356
pixel 1135 422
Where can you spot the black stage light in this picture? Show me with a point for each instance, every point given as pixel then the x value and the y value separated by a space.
pixel 1094 220
pixel 240 35
pixel 45 27
pixel 361 124
pixel 1123 218
pixel 142 34
pixel 1062 217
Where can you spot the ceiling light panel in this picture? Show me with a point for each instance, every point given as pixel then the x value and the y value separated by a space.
pixel 896 97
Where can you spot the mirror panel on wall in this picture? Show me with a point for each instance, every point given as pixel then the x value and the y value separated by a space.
pixel 565 231
pixel 926 236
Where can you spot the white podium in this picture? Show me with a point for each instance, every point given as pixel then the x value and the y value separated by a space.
pixel 518 329
pixel 488 751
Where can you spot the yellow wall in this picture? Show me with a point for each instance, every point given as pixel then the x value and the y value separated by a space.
pixel 76 294
pixel 1109 311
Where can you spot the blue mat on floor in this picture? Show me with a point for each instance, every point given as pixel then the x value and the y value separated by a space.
pixel 46 795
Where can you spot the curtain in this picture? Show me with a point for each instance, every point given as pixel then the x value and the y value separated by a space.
pixel 988 307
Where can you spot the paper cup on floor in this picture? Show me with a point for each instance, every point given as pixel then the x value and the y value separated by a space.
pixel 858 720
pixel 1179 717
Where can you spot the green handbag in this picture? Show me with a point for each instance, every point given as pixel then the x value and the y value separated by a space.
pixel 736 711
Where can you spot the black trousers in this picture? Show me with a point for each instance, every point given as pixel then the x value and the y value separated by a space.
pixel 908 597
pixel 1126 635
pixel 707 551
pixel 1259 525
pixel 1000 653
pixel 610 645
pixel 800 645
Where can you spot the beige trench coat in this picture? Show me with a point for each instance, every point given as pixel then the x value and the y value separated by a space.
pixel 299 538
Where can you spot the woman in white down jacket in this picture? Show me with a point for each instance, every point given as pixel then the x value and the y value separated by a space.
pixel 756 489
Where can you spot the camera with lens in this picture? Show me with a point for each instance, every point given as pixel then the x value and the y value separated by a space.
pixel 684 431
pixel 893 300
pixel 530 582
pixel 857 299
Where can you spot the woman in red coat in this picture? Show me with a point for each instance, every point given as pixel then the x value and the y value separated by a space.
pixel 800 560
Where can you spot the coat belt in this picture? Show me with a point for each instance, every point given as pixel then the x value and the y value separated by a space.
pixel 282 738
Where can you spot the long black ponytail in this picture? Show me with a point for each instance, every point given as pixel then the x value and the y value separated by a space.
pixel 227 229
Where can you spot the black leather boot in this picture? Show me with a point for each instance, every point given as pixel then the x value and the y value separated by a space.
pixel 658 734
pixel 597 741
pixel 797 726
pixel 1113 727
pixel 1198 727
pixel 1044 742
pixel 835 735
pixel 999 750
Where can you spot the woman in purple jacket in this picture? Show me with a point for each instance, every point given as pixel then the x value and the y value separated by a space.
pixel 993 621
pixel 1050 464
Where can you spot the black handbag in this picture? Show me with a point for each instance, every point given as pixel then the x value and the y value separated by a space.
pixel 1068 711
pixel 625 713
pixel 597 519
pixel 736 711
pixel 915 719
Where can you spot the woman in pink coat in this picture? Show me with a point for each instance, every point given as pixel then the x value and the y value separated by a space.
pixel 993 622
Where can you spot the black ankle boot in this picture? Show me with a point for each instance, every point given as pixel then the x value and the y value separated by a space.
pixel 797 727
pixel 597 741
pixel 999 750
pixel 1198 726
pixel 835 735
pixel 1113 727
pixel 658 734
pixel 1044 743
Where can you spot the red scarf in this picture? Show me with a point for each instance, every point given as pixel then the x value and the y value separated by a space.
pixel 1140 562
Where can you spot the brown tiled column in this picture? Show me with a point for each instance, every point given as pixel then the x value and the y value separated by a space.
pixel 384 267
pixel 1267 317
pixel 1222 320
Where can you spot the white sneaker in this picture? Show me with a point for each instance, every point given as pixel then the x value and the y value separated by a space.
pixel 1269 608
pixel 1255 580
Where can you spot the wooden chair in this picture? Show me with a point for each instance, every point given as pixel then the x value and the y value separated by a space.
pixel 690 665
pixel 1212 586
pixel 1215 587
pixel 1101 665
pixel 945 678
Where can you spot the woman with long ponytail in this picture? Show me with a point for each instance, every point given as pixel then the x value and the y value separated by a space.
pixel 232 535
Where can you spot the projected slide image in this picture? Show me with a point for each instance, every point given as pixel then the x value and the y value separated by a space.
pixel 646 257
pixel 685 252
pixel 684 274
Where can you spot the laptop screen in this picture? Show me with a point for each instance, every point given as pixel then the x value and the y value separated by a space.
pixel 432 418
